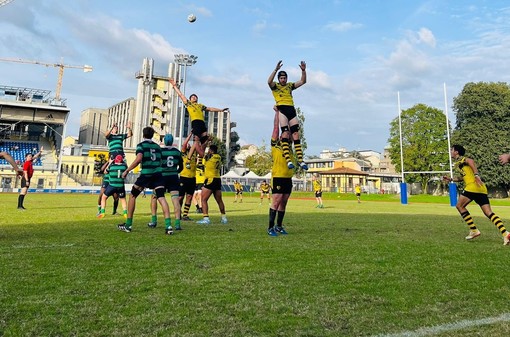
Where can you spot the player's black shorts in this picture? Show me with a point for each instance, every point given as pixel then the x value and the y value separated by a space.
pixel 212 184
pixel 198 127
pixel 171 183
pixel 114 154
pixel 264 193
pixel 318 194
pixel 186 186
pixel 150 181
pixel 24 182
pixel 281 185
pixel 288 111
pixel 480 198
pixel 239 192
pixel 110 190
pixel 199 186
pixel 105 184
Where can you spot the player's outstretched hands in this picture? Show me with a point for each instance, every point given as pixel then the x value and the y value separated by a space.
pixel 279 65
pixel 504 158
pixel 302 65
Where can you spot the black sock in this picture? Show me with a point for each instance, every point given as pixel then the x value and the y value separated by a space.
pixel 115 205
pixel 272 216
pixel 279 220
pixel 21 197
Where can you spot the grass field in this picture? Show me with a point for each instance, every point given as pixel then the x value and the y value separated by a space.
pixel 372 269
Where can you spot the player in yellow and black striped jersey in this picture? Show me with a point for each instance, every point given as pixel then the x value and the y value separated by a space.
pixel 212 183
pixel 265 189
pixel 317 189
pixel 281 182
pixel 239 191
pixel 196 115
pixel 187 182
pixel 474 190
pixel 289 123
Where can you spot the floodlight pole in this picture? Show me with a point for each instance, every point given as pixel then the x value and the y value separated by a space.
pixel 183 61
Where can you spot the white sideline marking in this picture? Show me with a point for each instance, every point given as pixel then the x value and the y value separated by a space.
pixel 433 330
pixel 43 246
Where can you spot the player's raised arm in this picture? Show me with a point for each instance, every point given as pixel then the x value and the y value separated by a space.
pixel 270 80
pixel 11 161
pixel 178 91
pixel 129 129
pixel 302 81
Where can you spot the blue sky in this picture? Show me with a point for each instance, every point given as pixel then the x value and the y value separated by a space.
pixel 359 55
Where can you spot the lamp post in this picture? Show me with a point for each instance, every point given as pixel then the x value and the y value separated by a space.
pixel 183 61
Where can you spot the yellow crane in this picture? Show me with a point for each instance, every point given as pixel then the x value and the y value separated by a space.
pixel 61 66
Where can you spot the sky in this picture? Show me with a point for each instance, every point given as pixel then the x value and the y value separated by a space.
pixel 360 56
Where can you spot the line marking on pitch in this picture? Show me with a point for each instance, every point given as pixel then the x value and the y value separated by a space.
pixel 434 330
pixel 43 246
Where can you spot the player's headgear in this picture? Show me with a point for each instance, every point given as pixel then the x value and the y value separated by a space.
pixel 169 139
pixel 193 95
pixel 118 159
pixel 282 73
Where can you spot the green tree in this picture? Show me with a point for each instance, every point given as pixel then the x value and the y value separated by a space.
pixel 424 143
pixel 482 117
pixel 234 149
pixel 261 162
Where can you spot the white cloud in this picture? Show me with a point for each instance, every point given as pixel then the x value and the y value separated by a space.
pixel 427 37
pixel 342 26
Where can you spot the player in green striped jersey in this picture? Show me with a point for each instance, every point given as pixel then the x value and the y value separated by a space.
pixel 116 140
pixel 115 185
pixel 148 156
pixel 171 165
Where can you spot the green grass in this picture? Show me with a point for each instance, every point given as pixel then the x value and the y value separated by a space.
pixel 349 269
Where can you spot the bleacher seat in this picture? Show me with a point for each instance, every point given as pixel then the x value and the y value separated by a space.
pixel 18 150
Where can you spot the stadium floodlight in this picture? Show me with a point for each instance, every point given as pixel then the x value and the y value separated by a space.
pixel 183 61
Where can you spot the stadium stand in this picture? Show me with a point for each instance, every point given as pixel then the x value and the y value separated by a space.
pixel 18 150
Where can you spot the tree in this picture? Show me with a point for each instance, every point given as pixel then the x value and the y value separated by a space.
pixel 261 162
pixel 234 149
pixel 482 118
pixel 424 143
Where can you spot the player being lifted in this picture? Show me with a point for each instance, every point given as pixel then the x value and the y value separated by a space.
pixel 196 114
pixel 289 123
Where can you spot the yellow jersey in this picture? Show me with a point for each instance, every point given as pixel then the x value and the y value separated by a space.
pixel 191 171
pixel 238 187
pixel 317 186
pixel 196 111
pixel 283 93
pixel 280 169
pixel 357 190
pixel 200 177
pixel 212 166
pixel 265 187
pixel 469 178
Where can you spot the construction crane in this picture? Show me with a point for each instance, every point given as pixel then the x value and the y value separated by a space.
pixel 4 2
pixel 61 66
